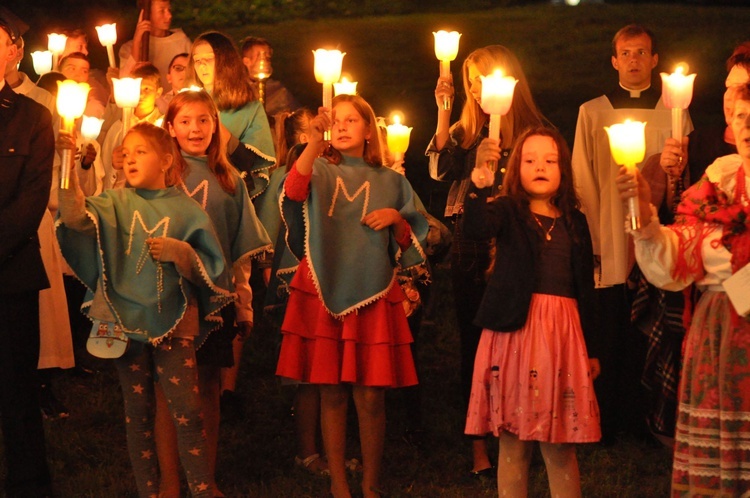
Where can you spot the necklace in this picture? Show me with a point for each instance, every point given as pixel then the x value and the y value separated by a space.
pixel 547 235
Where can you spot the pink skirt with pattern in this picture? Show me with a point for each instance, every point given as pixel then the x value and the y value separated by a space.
pixel 535 382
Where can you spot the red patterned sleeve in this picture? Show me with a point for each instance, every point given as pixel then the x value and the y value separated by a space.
pixel 297 185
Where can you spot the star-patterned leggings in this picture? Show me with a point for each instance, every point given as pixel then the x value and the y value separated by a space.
pixel 173 362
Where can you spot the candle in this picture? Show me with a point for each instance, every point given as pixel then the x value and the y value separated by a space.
pixel 263 68
pixel 42 61
pixel 56 45
pixel 497 93
pixel 446 50
pixel 328 71
pixel 108 37
pixel 71 101
pixel 261 71
pixel 627 142
pixel 91 127
pixel 127 94
pixel 497 97
pixel 677 92
pixel 345 87
pixel 397 138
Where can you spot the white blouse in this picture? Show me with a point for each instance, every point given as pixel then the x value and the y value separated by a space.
pixel 656 245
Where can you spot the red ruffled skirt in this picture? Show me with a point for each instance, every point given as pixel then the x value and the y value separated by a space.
pixel 369 347
pixel 535 382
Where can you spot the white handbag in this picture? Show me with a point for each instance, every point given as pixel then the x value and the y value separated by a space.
pixel 107 340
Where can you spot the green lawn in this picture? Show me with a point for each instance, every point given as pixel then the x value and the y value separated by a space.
pixel 88 456
pixel 565 52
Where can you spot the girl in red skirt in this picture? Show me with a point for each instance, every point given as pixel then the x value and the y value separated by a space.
pixel 352 223
pixel 534 371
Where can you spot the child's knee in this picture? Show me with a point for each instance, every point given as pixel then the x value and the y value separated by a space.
pixel 333 395
pixel 369 399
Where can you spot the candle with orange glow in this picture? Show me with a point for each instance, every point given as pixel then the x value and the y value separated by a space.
pixel 127 94
pixel 56 45
pixel 627 142
pixel 108 37
pixel 397 138
pixel 677 92
pixel 345 87
pixel 71 101
pixel 446 50
pixel 328 71
pixel 497 97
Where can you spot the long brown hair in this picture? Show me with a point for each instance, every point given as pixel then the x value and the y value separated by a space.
pixel 374 147
pixel 523 111
pixel 565 199
pixel 232 88
pixel 161 142
pixel 218 162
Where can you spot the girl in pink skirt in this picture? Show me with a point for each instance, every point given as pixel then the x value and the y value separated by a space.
pixel 535 365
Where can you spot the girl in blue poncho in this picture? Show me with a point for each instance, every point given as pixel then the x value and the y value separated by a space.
pixel 352 223
pixel 206 175
pixel 155 270
pixel 216 65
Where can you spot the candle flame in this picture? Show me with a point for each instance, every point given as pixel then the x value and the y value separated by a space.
pixel 682 68
pixel 397 117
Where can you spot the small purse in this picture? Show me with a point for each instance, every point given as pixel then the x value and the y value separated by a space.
pixel 107 340
pixel 413 300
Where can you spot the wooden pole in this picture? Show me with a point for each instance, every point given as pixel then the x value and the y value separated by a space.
pixel 143 56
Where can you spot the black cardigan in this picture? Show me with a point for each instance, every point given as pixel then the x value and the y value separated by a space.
pixel 506 301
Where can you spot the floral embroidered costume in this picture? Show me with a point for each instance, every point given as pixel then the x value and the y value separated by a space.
pixel 708 242
pixel 345 321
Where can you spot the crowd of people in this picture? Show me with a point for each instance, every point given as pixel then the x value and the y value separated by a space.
pixel 576 323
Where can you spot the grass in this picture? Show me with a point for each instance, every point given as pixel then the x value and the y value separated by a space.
pixel 88 456
pixel 565 52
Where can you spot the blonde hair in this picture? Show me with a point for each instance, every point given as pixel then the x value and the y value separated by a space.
pixel 375 146
pixel 162 143
pixel 218 162
pixel 523 111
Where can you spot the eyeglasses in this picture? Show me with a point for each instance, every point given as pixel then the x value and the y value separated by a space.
pixel 179 67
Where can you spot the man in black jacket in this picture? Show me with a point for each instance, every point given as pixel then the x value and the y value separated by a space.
pixel 26 152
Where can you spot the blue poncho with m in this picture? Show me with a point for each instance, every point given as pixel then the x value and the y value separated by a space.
pixel 146 298
pixel 352 265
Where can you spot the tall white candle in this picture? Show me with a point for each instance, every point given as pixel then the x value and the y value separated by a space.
pixel 627 142
pixel 446 50
pixel 71 101
pixel 108 37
